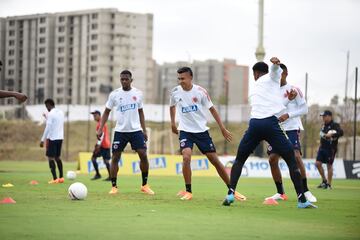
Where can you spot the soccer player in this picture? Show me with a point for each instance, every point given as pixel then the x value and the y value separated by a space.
pixel 291 122
pixel 329 135
pixel 190 101
pixel 54 135
pixel 266 104
pixel 130 127
pixel 102 147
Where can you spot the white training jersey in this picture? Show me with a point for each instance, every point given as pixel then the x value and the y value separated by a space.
pixel 295 108
pixel 54 129
pixel 127 105
pixel 190 106
pixel 265 97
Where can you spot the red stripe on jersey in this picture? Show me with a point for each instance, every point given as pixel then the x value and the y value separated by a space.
pixel 205 92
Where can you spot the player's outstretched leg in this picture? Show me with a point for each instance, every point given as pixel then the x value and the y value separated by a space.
pixel 220 168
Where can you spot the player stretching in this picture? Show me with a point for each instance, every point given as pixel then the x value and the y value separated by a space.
pixel 330 133
pixel 54 135
pixel 130 127
pixel 102 147
pixel 191 100
pixel 266 104
pixel 291 123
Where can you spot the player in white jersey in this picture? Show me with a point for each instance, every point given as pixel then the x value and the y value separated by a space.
pixel 266 103
pixel 291 122
pixel 191 101
pixel 54 135
pixel 130 127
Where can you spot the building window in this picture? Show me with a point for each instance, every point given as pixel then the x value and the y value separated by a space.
pixel 12 23
pixel 11 52
pixel 93 68
pixel 92 99
pixel 42 20
pixel 11 72
pixel 41 80
pixel 94 36
pixel 112 26
pixel 41 50
pixel 93 47
pixel 11 32
pixel 94 16
pixel 60 70
pixel 111 79
pixel 60 80
pixel 93 79
pixel 93 58
pixel 59 101
pixel 61 50
pixel 41 70
pixel 92 89
pixel 111 68
pixel 61 29
pixel 59 90
pixel 61 18
pixel 11 42
pixel 94 26
pixel 111 58
pixel 113 15
pixel 61 39
pixel 41 60
pixel 42 40
pixel 11 62
pixel 60 60
pixel 42 30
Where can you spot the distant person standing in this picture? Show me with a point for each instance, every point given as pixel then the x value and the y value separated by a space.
pixel 102 147
pixel 329 134
pixel 130 127
pixel 6 94
pixel 54 135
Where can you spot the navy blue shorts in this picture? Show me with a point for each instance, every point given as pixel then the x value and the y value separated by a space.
pixel 267 129
pixel 294 137
pixel 104 153
pixel 121 139
pixel 202 140
pixel 53 148
pixel 325 155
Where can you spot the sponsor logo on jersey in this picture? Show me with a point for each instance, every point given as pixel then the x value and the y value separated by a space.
pixel 124 108
pixel 134 98
pixel 191 108
pixel 195 100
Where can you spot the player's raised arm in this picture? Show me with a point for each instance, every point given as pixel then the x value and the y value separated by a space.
pixel 275 70
pixel 19 96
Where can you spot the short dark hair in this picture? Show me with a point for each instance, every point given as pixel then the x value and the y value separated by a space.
pixel 184 70
pixel 126 72
pixel 261 67
pixel 50 102
pixel 283 66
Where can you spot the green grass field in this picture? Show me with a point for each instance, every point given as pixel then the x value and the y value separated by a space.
pixel 45 212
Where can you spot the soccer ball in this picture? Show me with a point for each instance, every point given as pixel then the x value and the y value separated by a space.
pixel 77 191
pixel 332 131
pixel 71 175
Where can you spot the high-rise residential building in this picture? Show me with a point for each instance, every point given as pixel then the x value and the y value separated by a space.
pixel 217 77
pixel 76 56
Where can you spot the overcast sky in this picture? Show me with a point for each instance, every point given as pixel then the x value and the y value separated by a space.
pixel 308 36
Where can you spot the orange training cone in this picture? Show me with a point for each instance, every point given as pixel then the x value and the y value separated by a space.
pixel 7 200
pixel 34 182
pixel 270 201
